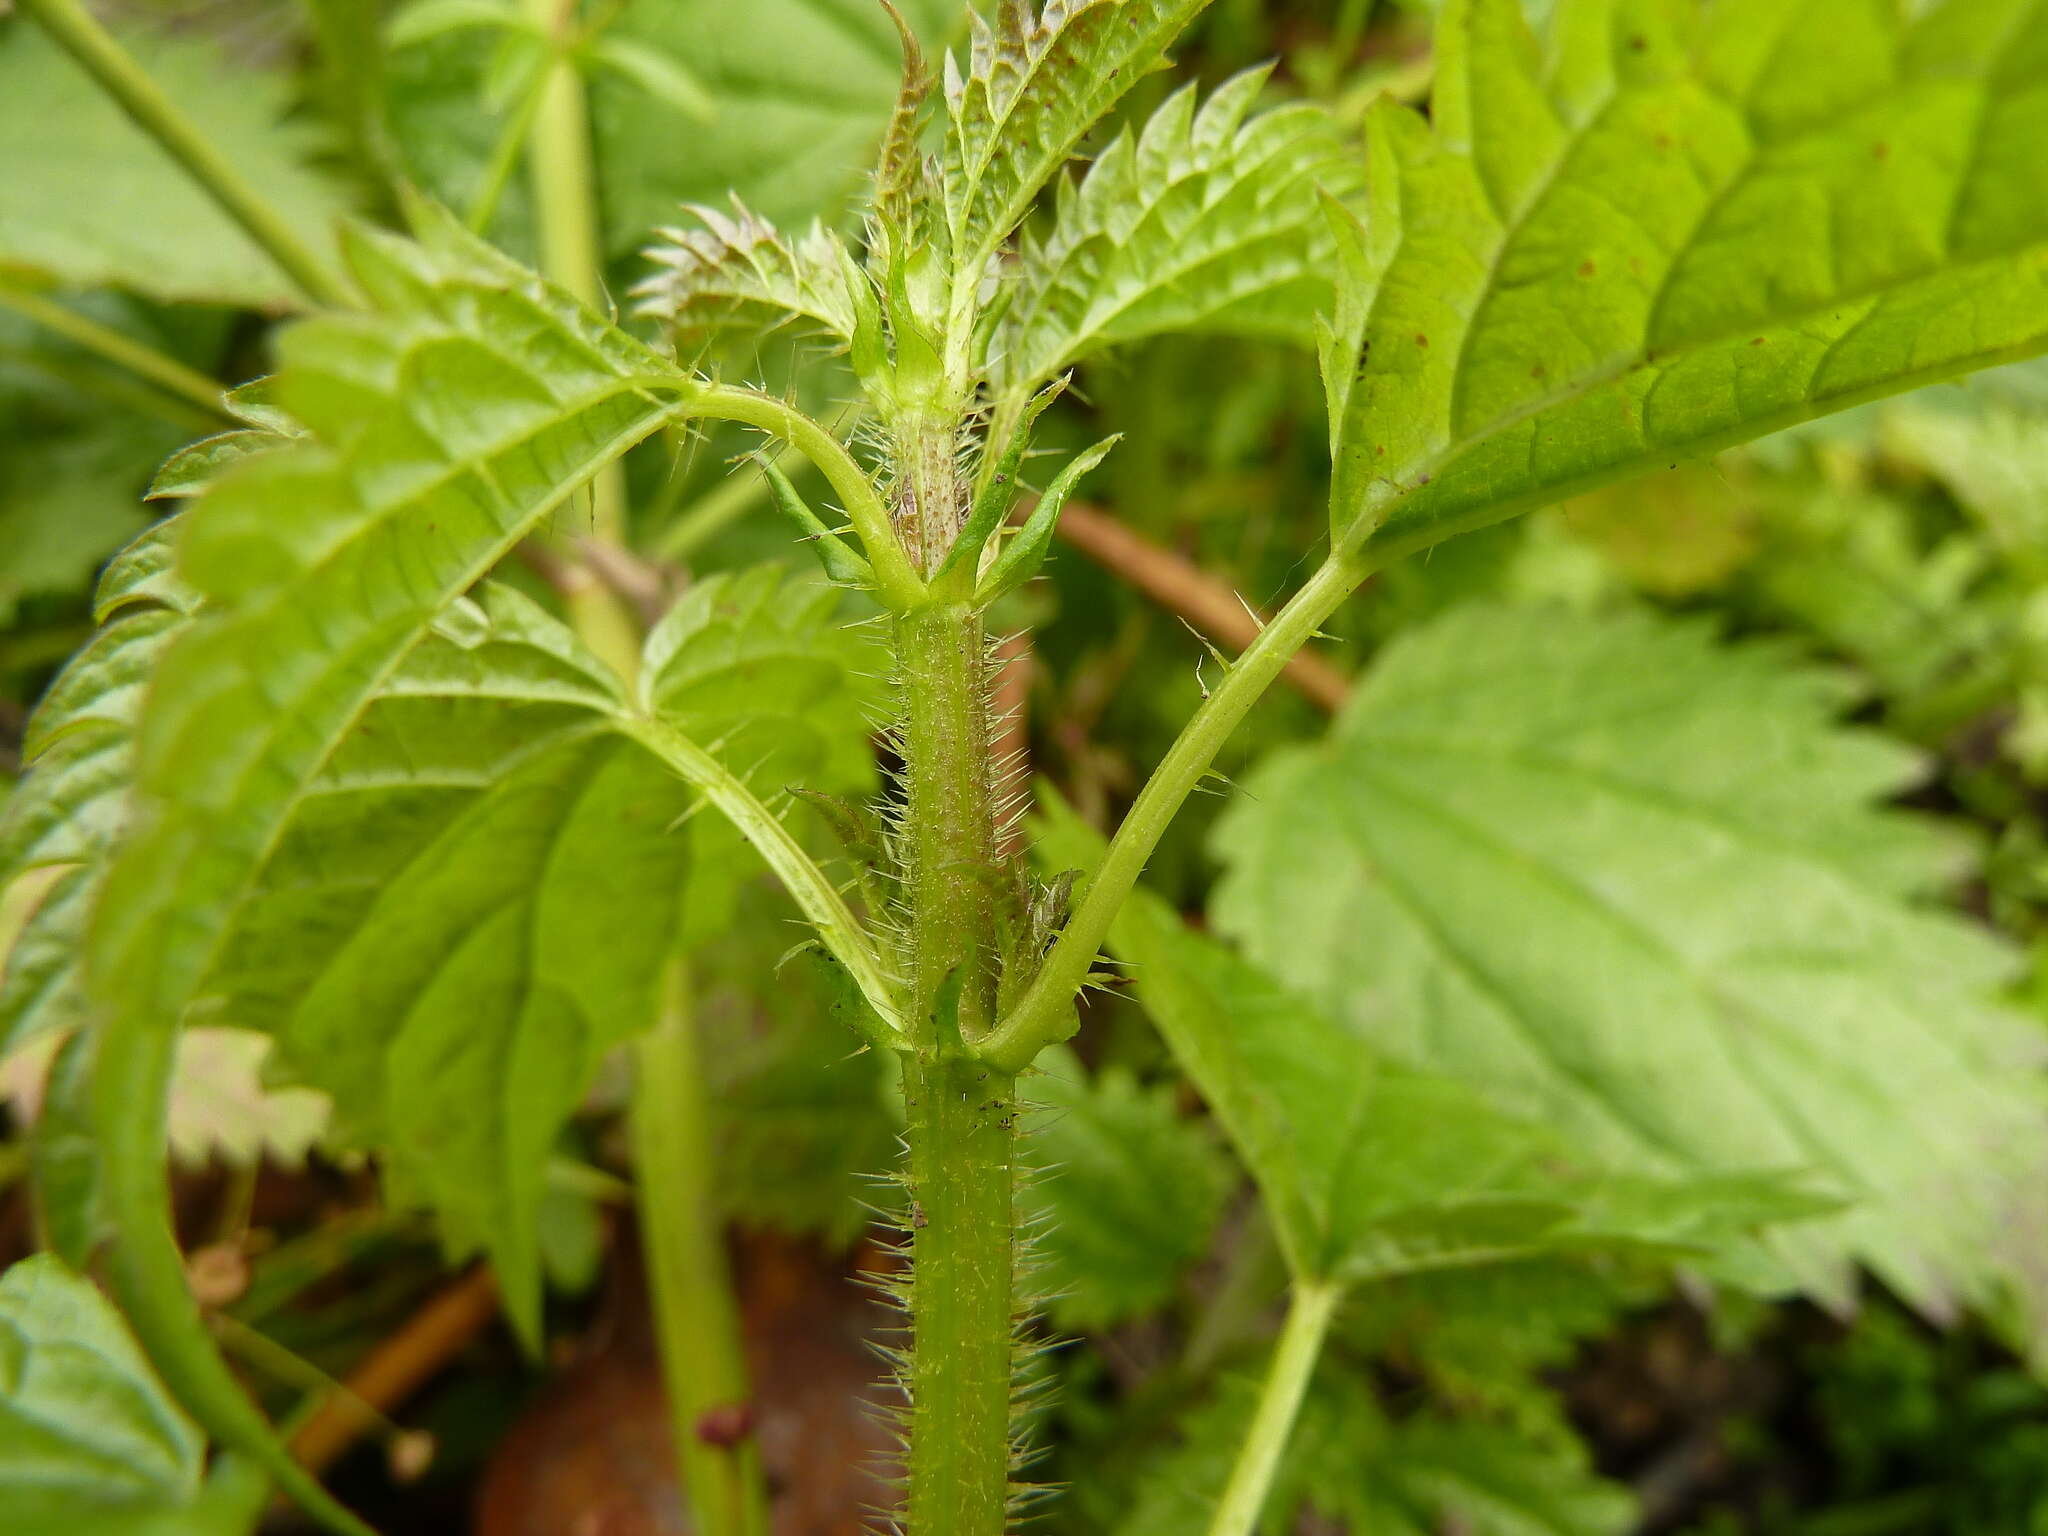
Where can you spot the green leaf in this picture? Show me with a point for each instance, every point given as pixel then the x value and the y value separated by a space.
pixel 657 73
pixel 467 403
pixel 1487 1336
pixel 431 824
pixel 1987 445
pixel 1671 228
pixel 1349 1463
pixel 1631 884
pixel 194 468
pixel 473 900
pixel 91 198
pixel 1434 1474
pixel 802 89
pixel 1206 221
pixel 459 1022
pixel 1038 78
pixel 905 177
pixel 89 1440
pixel 800 92
pixel 761 664
pixel 442 429
pixel 1024 554
pixel 435 18
pixel 1370 1169
pixel 1127 1194
pixel 741 273
pixel 60 823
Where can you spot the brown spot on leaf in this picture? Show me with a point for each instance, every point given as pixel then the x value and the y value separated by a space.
pixel 1586 267
pixel 1421 340
pixel 1537 372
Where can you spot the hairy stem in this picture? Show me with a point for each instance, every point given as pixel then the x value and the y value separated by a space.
pixel 899 586
pixel 1041 1015
pixel 959 1114
pixel 1294 1362
pixel 166 373
pixel 959 1123
pixel 75 30
pixel 695 1316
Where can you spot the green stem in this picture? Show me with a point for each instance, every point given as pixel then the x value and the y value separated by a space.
pixel 1042 1015
pixel 122 389
pixel 166 373
pixel 960 1115
pixel 900 586
pixel 800 875
pixel 695 1316
pixel 74 30
pixel 565 209
pixel 959 1123
pixel 505 156
pixel 129 1090
pixel 564 190
pixel 1294 1362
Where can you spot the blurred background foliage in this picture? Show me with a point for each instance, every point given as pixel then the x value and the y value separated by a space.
pixel 1905 547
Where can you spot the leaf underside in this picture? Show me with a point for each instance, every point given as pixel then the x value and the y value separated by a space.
pixel 1348 1148
pixel 475 898
pixel 1631 885
pixel 63 819
pixel 444 427
pixel 144 225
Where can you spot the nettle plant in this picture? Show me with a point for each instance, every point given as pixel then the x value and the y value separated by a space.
pixel 319 773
